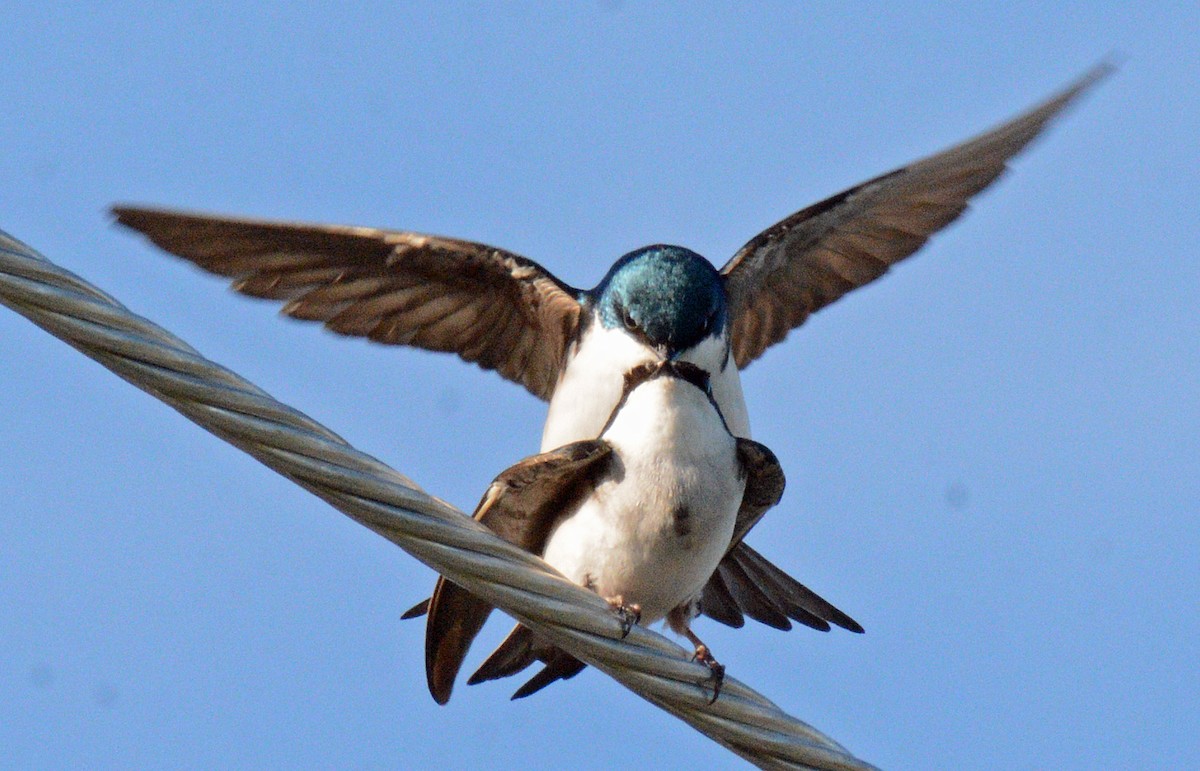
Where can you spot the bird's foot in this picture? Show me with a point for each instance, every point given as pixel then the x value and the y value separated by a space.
pixel 715 668
pixel 629 615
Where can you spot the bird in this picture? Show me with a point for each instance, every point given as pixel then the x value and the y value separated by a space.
pixel 655 509
pixel 657 305
pixel 571 346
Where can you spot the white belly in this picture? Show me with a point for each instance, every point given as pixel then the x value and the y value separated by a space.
pixel 654 533
pixel 590 387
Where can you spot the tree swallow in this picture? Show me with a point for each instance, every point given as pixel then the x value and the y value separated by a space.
pixel 661 308
pixel 651 515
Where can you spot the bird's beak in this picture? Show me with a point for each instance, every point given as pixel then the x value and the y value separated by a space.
pixel 667 352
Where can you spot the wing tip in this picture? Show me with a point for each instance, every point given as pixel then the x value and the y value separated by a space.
pixel 440 693
pixel 1108 64
pixel 126 214
pixel 849 624
pixel 1085 82
pixel 560 666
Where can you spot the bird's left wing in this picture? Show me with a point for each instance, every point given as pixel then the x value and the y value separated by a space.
pixel 745 582
pixel 522 507
pixel 489 306
pixel 809 260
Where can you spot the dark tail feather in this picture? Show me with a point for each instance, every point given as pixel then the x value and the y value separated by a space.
pixel 562 666
pixel 514 654
pixel 455 618
pixel 418 610
pixel 520 649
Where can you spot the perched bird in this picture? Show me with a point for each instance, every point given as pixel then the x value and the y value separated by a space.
pixel 657 306
pixel 650 515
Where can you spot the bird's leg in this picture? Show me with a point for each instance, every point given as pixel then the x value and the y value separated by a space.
pixel 679 619
pixel 628 615
pixel 705 657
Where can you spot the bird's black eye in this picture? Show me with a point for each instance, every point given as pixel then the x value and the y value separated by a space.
pixel 627 319
pixel 709 321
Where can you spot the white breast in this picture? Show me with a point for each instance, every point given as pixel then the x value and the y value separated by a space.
pixel 655 531
pixel 590 386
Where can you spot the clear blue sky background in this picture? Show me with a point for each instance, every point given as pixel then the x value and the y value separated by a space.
pixel 992 454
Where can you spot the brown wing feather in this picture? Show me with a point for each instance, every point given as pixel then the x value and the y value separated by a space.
pixel 455 619
pixel 746 583
pixel 755 603
pixel 764 486
pixel 718 603
pixel 820 253
pixel 794 598
pixel 520 649
pixel 497 309
pixel 521 506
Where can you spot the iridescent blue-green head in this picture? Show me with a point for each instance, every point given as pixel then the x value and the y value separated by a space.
pixel 668 297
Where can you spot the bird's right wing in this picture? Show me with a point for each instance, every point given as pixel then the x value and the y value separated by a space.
pixel 810 259
pixel 491 307
pixel 745 582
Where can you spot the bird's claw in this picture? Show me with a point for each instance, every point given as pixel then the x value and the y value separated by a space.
pixel 716 670
pixel 629 615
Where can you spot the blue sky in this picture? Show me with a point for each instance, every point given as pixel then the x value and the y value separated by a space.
pixel 992 453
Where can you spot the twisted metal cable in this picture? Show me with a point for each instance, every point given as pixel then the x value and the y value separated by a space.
pixel 387 502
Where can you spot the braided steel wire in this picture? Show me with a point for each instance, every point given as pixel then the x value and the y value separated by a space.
pixel 380 498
